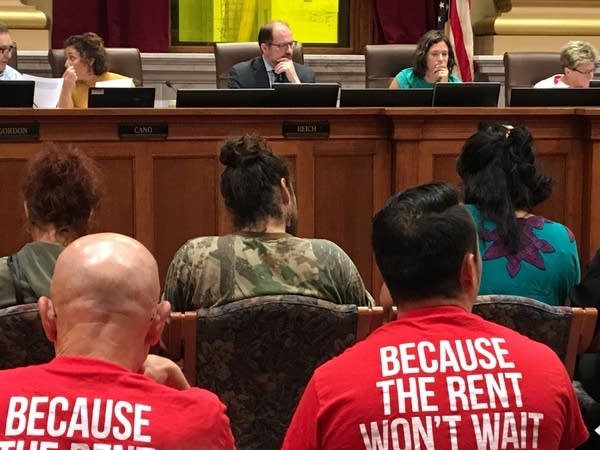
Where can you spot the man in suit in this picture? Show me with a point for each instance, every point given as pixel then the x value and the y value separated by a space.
pixel 274 65
pixel 7 47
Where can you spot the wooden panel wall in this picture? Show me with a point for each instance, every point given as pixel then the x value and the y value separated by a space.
pixel 164 192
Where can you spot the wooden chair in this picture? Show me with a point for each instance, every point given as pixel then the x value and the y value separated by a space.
pixel 524 69
pixel 568 331
pixel 22 339
pixel 227 54
pixel 383 62
pixel 258 354
pixel 124 61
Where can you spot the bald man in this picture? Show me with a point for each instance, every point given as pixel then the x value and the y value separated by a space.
pixel 103 315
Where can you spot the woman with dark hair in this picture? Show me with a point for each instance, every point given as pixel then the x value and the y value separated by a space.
pixel 61 189
pixel 522 253
pixel 262 257
pixel 85 65
pixel 433 62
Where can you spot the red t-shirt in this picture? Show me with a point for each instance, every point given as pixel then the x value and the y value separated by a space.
pixel 83 404
pixel 439 378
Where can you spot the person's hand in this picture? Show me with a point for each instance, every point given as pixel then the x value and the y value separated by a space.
pixel 164 371
pixel 286 66
pixel 69 77
pixel 442 73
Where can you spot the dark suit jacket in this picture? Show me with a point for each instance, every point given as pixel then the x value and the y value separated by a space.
pixel 253 74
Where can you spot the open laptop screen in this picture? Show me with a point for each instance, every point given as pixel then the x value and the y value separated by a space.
pixel 527 96
pixel 121 97
pixel 466 94
pixel 386 97
pixel 224 98
pixel 16 94
pixel 306 95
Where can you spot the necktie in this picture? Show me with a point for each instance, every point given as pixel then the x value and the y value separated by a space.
pixel 280 78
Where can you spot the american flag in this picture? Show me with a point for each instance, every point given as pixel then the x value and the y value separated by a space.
pixel 454 18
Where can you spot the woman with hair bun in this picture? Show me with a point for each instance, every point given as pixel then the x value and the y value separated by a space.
pixel 61 189
pixel 522 253
pixel 85 65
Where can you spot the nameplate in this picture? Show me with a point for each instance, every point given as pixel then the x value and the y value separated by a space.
pixel 305 128
pixel 143 131
pixel 20 132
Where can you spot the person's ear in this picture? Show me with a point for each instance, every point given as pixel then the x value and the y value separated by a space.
pixel 163 309
pixel 264 47
pixel 284 189
pixel 470 274
pixel 48 317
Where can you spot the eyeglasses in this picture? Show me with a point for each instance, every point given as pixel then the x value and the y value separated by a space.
pixel 7 49
pixel 583 72
pixel 284 44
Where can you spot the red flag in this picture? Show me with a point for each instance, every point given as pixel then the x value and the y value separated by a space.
pixel 455 18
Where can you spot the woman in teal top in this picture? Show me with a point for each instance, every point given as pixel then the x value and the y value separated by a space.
pixel 522 253
pixel 433 63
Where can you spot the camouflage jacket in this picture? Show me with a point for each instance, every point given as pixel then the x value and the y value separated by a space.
pixel 215 270
pixel 36 262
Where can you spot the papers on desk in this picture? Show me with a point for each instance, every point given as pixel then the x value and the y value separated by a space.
pixel 47 91
pixel 123 82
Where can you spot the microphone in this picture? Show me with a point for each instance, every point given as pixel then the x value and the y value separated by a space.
pixel 169 83
pixel 170 103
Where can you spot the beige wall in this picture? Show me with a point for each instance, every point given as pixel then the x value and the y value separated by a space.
pixel 481 9
pixel 43 5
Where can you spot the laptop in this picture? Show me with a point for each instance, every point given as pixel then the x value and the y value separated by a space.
pixel 466 94
pixel 224 98
pixel 386 97
pixel 527 96
pixel 16 94
pixel 121 97
pixel 306 95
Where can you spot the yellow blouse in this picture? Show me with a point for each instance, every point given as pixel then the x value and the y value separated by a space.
pixel 80 91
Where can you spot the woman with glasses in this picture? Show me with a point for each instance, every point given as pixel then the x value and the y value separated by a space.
pixel 433 62
pixel 275 63
pixel 578 60
pixel 85 65
pixel 7 48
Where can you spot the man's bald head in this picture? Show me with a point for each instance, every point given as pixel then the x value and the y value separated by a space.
pixel 110 271
pixel 105 289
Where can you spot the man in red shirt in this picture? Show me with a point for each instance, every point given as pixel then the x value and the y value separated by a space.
pixel 438 376
pixel 103 316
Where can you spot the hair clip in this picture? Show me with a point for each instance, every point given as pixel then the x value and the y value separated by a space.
pixel 508 129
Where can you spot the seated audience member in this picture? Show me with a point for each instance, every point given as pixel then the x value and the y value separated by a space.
pixel 578 60
pixel 274 65
pixel 85 65
pixel 433 63
pixel 438 376
pixel 103 315
pixel 61 189
pixel 523 253
pixel 263 257
pixel 7 46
